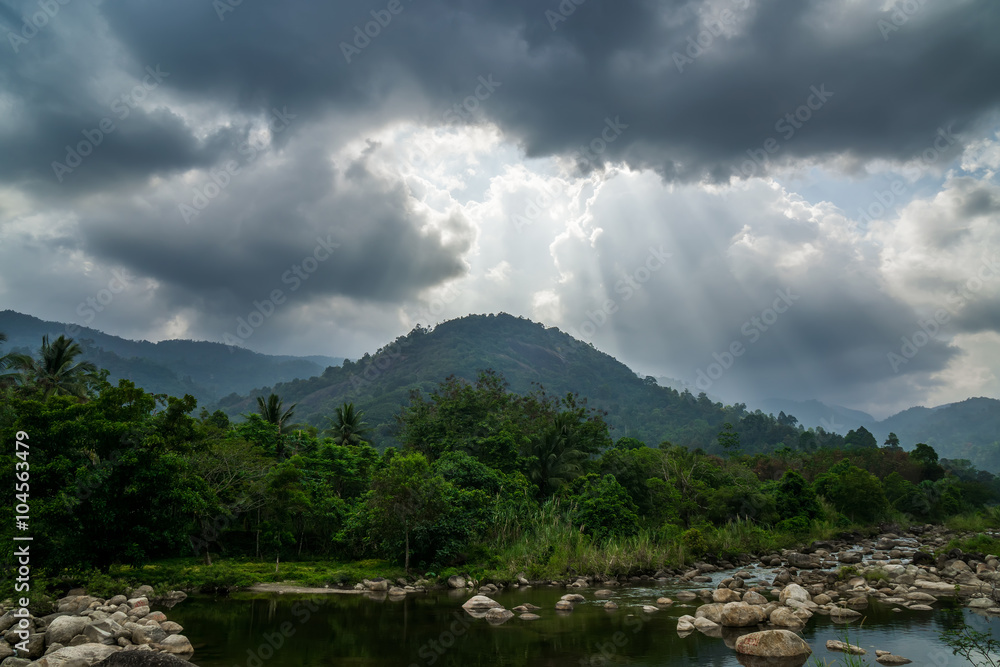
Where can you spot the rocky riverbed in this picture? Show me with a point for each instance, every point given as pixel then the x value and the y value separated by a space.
pixel 758 611
pixel 121 631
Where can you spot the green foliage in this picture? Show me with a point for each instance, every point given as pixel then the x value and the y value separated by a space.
pixel 855 492
pixel 795 498
pixel 602 507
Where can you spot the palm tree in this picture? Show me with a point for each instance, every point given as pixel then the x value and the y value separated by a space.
pixel 555 456
pixel 56 370
pixel 347 426
pixel 271 411
pixel 7 361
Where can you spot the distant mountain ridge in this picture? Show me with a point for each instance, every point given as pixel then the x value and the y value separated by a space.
pixel 207 371
pixel 529 355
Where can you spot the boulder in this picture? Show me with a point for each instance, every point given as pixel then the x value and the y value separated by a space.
pixel 742 615
pixel 117 600
pixel 843 614
pixel 573 597
pixel 650 609
pixel 148 634
pixel 685 624
pixel 891 659
pixel 773 644
pixel 611 605
pixel 702 624
pixel 844 647
pixel 377 585
pixel 480 603
pixel 793 592
pixel 102 632
pixel 456 581
pixel 785 618
pixel 171 627
pixel 564 605
pixel 664 601
pixel 61 630
pixel 529 617
pixel 498 615
pixel 804 561
pixel 181 645
pixel 142 592
pixel 88 653
pixel 849 557
pixel 725 595
pixel 712 612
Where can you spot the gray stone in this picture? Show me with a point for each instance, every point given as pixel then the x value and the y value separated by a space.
pixel 142 659
pixel 88 653
pixel 456 581
pixel 148 634
pixel 61 630
pixel 176 644
pixel 480 603
pixel 103 631
pixel 773 644
pixel 499 615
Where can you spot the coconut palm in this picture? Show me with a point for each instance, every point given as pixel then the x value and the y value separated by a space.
pixel 56 371
pixel 348 425
pixel 556 457
pixel 271 411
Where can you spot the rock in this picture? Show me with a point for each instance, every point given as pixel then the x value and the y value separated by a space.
pixel 564 605
pixel 529 617
pixel 603 593
pixel 785 618
pixel 702 624
pixel 117 600
pixel 142 592
pixel 138 602
pixel 685 624
pixel 664 601
pixel 6 650
pixel 650 609
pixel 725 595
pixel 498 615
pixel 712 612
pixel 102 632
pixel 181 645
pixel 850 557
pixel 773 644
pixel 157 616
pixel 148 634
pixel 891 659
pixel 142 659
pixel 843 647
pixel 79 640
pixel 843 614
pixel 978 603
pixel 742 615
pixel 573 597
pixel 685 596
pixel 61 630
pixel 920 607
pixel 793 592
pixel 480 603
pixel 171 628
pixel 88 653
pixel 804 561
pixel 753 597
pixel 396 591
pixel 16 662
pixel 7 620
pixel 377 585
pixel 611 605
pixel 456 581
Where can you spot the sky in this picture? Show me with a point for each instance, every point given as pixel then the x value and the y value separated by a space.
pixel 758 198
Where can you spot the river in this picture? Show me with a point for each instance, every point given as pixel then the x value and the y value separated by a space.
pixel 430 628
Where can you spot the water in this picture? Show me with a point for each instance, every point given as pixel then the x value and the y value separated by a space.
pixel 431 629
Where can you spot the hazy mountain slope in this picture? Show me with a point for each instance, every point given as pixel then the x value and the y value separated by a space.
pixel 206 370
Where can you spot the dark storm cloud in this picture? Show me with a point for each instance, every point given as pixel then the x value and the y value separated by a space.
pixel 892 88
pixel 370 242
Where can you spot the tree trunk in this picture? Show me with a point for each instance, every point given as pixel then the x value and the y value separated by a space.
pixel 277 559
pixel 208 557
pixel 406 566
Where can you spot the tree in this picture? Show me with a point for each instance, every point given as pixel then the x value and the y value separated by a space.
pixel 860 439
pixel 602 507
pixel 348 425
pixel 56 371
pixel 271 411
pixel 856 493
pixel 892 442
pixel 729 439
pixel 406 495
pixel 796 497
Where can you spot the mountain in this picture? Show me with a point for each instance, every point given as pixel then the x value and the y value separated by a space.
pixel 812 414
pixel 969 430
pixel 207 371
pixel 528 355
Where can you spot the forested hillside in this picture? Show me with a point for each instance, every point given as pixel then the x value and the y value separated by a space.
pixel 205 370
pixel 531 357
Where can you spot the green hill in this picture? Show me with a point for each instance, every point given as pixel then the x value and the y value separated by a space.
pixel 207 371
pixel 530 356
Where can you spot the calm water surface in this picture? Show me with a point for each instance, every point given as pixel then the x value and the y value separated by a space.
pixel 431 629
